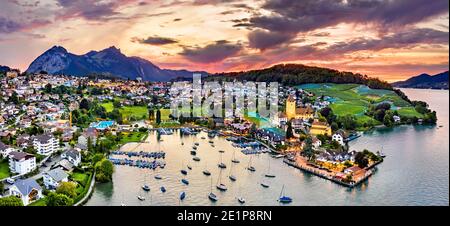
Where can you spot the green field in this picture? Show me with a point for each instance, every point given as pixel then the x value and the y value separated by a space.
pixel 4 169
pixel 81 178
pixel 354 99
pixel 136 112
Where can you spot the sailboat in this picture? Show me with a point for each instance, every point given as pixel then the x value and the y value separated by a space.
pixel 206 171
pixel 250 167
pixel 240 199
pixel 182 195
pixel 211 195
pixel 145 187
pixel 141 198
pixel 185 181
pixel 268 174
pixel 158 177
pixel 234 160
pixel 183 171
pixel 221 164
pixel 163 189
pixel 283 198
pixel 220 185
pixel 197 159
pixel 231 176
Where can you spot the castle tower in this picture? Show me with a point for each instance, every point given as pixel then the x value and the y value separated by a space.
pixel 290 107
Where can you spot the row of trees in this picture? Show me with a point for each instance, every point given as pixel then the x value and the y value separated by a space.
pixel 297 74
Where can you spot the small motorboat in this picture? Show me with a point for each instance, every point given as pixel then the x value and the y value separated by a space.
pixel 203 138
pixel 212 197
pixel 211 142
pixel 241 200
pixel 221 151
pixel 232 177
pixel 206 172
pixel 146 188
pixel 212 145
pixel 182 143
pixel 182 195
pixel 189 167
pixel 158 177
pixel 141 198
pixel 196 144
pixel 222 165
pixel 251 168
pixel 163 189
pixel 197 159
pixel 194 147
pixel 222 187
pixel 193 152
pixel 264 185
pixel 185 181
pixel 269 175
pixel 184 172
pixel 235 161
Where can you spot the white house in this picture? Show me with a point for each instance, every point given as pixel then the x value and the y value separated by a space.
pixel 89 133
pixel 73 156
pixel 45 144
pixel 53 177
pixel 28 190
pixel 397 118
pixel 340 137
pixel 21 162
pixel 316 143
pixel 5 149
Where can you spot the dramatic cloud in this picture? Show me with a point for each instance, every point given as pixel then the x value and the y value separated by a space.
pixel 211 53
pixel 260 39
pixel 10 26
pixel 290 16
pixel 90 9
pixel 154 40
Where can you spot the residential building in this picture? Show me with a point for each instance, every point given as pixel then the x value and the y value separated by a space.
pixel 27 190
pixel 73 156
pixel 5 149
pixel 21 162
pixel 45 144
pixel 340 136
pixel 322 128
pixel 54 177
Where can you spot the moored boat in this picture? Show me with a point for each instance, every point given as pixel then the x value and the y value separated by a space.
pixel 146 188
pixel 158 177
pixel 141 198
pixel 197 159
pixel 182 195
pixel 185 181
pixel 163 189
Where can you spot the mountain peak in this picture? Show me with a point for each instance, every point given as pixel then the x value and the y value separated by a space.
pixel 111 49
pixel 58 49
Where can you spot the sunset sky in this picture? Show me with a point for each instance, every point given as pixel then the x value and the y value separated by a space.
pixel 391 39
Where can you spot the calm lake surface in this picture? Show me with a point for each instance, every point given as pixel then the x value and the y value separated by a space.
pixel 415 171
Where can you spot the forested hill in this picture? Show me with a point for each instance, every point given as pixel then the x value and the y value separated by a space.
pixel 297 74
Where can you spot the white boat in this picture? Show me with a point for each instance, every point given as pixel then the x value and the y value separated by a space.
pixel 241 200
pixel 141 198
pixel 212 196
pixel 220 185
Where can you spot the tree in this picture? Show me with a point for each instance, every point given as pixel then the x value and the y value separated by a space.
pixel 211 123
pixel 388 119
pixel 361 160
pixel 104 171
pixel 308 150
pixel 67 188
pixel 48 88
pixel 2 186
pixel 151 114
pixel 84 104
pixel 55 199
pixel 289 131
pixel 348 122
pixel 158 117
pixel 11 201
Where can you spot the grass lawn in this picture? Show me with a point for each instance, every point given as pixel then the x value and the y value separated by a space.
pixel 409 112
pixel 346 107
pixel 138 112
pixel 40 202
pixel 132 137
pixel 108 106
pixel 4 169
pixel 81 178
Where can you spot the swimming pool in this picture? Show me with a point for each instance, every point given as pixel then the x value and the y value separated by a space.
pixel 102 125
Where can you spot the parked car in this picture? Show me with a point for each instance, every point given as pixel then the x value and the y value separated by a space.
pixel 10 181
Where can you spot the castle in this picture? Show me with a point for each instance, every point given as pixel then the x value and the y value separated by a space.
pixel 292 112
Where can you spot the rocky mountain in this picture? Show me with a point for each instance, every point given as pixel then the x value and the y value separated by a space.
pixel 4 68
pixel 425 81
pixel 58 60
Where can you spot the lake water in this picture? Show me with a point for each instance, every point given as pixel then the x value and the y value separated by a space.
pixel 415 171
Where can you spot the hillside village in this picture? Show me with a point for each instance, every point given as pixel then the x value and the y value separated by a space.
pixel 57 131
